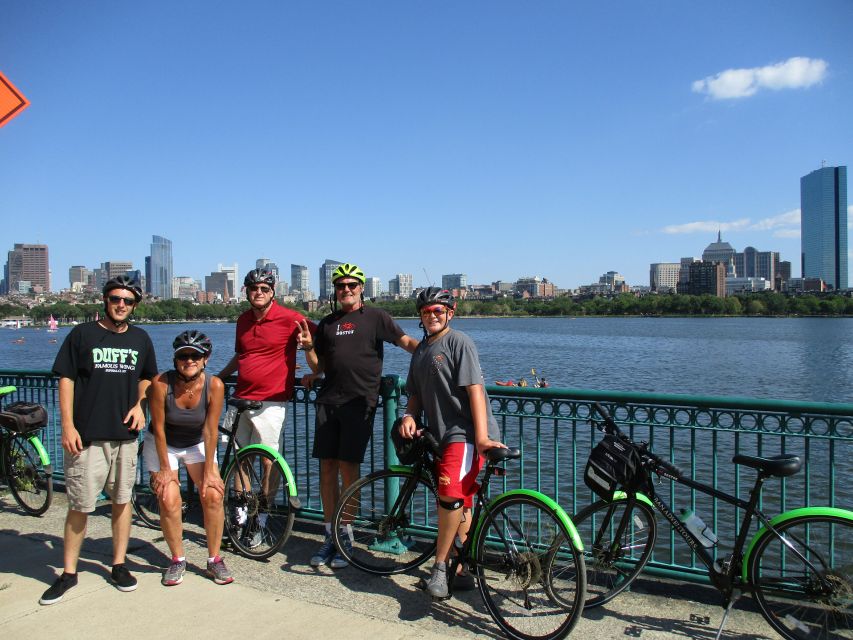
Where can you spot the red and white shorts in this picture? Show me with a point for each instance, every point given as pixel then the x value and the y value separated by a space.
pixel 457 472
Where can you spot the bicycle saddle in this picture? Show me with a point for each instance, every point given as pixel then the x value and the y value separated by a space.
pixel 242 405
pixel 779 466
pixel 499 455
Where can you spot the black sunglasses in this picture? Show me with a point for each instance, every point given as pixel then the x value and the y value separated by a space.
pixel 117 299
pixel 259 287
pixel 340 286
pixel 189 355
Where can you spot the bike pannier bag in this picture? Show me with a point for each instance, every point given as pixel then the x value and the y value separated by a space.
pixel 612 463
pixel 23 417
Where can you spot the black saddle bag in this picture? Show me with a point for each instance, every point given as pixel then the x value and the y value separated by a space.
pixel 23 417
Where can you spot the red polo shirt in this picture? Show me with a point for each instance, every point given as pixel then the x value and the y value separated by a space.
pixel 266 353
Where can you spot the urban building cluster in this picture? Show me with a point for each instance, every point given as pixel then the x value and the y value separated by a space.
pixel 721 270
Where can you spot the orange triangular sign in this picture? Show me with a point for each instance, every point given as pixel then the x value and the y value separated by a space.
pixel 12 101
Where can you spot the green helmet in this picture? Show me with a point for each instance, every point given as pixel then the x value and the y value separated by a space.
pixel 348 270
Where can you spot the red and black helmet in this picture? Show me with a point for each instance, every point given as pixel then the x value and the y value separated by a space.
pixel 436 295
pixel 259 276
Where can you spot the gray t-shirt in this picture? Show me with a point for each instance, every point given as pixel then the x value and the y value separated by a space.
pixel 438 375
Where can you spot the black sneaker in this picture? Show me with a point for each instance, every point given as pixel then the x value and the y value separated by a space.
pixel 122 578
pixel 62 584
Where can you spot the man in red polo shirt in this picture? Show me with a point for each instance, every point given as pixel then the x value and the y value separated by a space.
pixel 265 361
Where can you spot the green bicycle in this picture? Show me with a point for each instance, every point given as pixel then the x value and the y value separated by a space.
pixel 24 462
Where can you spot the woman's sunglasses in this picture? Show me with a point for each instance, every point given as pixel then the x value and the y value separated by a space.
pixel 189 355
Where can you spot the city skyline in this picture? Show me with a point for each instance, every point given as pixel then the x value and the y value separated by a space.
pixel 492 139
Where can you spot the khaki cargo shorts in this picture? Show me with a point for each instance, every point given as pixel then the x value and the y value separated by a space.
pixel 105 465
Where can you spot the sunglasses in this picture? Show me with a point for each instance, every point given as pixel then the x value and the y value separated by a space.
pixel 436 310
pixel 117 299
pixel 352 286
pixel 189 355
pixel 259 287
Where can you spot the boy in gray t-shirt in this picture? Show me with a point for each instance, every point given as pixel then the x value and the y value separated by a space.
pixel 446 384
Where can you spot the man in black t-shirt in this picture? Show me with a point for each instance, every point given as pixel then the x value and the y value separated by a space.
pixel 105 368
pixel 348 350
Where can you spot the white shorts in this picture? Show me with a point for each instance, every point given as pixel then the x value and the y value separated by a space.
pixel 262 426
pixel 190 455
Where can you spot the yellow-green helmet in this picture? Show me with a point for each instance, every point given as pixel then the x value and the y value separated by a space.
pixel 348 270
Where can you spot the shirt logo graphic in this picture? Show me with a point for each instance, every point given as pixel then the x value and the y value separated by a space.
pixel 116 360
pixel 437 363
pixel 345 329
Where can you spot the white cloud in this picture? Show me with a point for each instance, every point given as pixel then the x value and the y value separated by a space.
pixel 793 73
pixel 786 233
pixel 782 220
pixel 707 226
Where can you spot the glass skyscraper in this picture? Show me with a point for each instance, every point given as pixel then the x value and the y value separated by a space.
pixel 823 220
pixel 160 268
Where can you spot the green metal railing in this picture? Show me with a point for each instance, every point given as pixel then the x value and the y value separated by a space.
pixel 551 427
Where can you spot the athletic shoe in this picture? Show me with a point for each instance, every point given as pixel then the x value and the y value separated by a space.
pixel 175 573
pixel 253 540
pixel 436 586
pixel 219 572
pixel 325 553
pixel 122 579
pixel 62 584
pixel 339 561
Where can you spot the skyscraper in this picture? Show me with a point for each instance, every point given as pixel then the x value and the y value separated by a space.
pixel 299 278
pixel 27 268
pixel 823 221
pixel 326 271
pixel 159 269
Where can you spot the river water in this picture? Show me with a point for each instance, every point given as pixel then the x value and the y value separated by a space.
pixel 773 358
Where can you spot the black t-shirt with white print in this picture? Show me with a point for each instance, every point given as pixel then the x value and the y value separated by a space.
pixel 106 368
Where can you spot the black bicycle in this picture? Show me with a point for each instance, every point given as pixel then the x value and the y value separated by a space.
pixel 798 566
pixel 260 491
pixel 522 548
pixel 24 462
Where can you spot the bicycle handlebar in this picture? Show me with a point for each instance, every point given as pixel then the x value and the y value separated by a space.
pixel 661 466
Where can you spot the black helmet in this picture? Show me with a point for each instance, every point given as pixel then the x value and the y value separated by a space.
pixel 192 339
pixel 124 282
pixel 407 449
pixel 259 276
pixel 435 295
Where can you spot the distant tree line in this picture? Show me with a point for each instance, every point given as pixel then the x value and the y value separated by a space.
pixel 626 304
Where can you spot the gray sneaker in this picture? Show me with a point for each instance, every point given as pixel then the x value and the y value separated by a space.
pixel 175 573
pixel 325 553
pixel 219 572
pixel 339 561
pixel 253 540
pixel 436 586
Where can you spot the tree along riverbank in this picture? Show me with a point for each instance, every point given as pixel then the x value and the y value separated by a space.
pixel 755 304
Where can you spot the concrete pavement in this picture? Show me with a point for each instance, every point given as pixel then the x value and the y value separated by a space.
pixel 284 596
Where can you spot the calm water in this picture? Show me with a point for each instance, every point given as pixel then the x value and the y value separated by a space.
pixel 783 358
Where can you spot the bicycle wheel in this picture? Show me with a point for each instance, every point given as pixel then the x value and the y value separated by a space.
pixel 30 481
pixel 258 513
pixel 143 499
pixel 803 582
pixel 531 576
pixel 612 565
pixel 387 538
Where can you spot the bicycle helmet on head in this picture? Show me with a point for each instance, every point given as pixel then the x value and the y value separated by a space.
pixel 436 295
pixel 192 339
pixel 348 270
pixel 124 282
pixel 259 276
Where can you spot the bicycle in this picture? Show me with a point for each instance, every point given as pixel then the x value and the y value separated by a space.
pixel 798 566
pixel 532 587
pixel 24 462
pixel 260 492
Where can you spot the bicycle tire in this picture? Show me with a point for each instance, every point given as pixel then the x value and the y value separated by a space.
pixel 266 521
pixel 530 574
pixel 143 499
pixel 30 482
pixel 790 593
pixel 611 567
pixel 387 543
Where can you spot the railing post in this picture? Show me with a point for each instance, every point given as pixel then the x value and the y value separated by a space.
pixel 389 389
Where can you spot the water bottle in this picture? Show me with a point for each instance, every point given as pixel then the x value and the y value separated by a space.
pixel 695 525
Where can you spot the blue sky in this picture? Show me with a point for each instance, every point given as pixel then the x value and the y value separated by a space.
pixel 497 139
